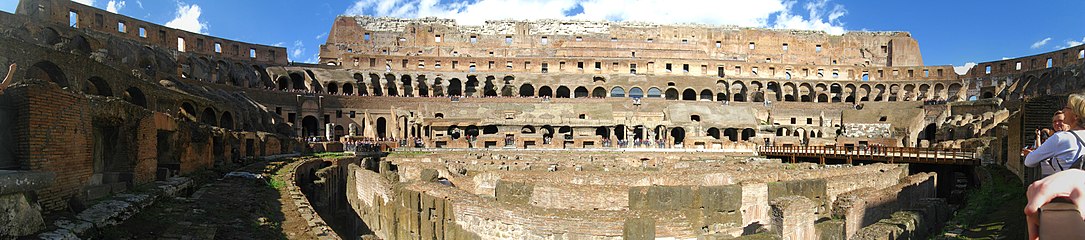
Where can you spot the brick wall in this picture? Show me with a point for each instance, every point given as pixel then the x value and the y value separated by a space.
pixel 55 136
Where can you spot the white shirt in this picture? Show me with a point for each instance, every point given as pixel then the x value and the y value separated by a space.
pixel 1062 147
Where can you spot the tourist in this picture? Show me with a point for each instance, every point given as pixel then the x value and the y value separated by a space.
pixel 1063 149
pixel 1058 122
pixel 8 79
pixel 1068 185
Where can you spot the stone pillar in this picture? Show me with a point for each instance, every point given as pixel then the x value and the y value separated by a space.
pixel 329 131
pixel 793 218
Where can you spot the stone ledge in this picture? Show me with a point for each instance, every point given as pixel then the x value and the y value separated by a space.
pixel 114 211
pixel 24 181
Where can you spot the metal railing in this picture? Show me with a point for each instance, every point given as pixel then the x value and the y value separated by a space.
pixel 954 156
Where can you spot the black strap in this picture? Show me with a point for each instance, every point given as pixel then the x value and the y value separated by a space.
pixel 1077 161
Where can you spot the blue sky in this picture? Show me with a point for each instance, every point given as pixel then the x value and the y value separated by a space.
pixel 949 32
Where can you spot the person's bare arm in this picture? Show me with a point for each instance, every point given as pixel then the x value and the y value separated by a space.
pixel 7 79
pixel 1069 183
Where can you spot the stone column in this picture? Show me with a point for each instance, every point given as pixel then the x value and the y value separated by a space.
pixel 793 218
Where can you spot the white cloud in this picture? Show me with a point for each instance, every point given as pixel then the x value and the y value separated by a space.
pixel 114 6
pixel 139 3
pixel 313 59
pixel 299 48
pixel 819 15
pixel 188 18
pixel 1041 43
pixel 962 70
pixel 85 2
pixel 322 35
pixel 1072 43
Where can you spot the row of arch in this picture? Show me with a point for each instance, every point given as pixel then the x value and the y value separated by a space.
pixel 736 90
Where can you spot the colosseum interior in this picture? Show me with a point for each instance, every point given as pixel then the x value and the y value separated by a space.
pixel 547 129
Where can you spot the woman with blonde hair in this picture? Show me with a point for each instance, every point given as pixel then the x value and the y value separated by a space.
pixel 1063 149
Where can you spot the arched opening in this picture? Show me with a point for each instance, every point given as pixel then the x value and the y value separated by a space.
pixel 382 127
pixel 454 132
pixel 489 89
pixel 48 71
pixel 298 81
pixel 455 87
pixel 408 87
pixel 545 91
pixel 602 132
pixel 423 88
pixel 563 92
pixel 527 90
pixel 348 89
pixel 471 88
pixel 823 98
pixel 390 85
pixel 706 95
pixel 310 126
pixel 617 92
pixel 732 134
pixel 721 97
pixel 339 131
pixel 527 129
pixel 283 82
pixel 780 132
pixel 135 96
pixel 748 133
pixel 333 88
pixel 98 86
pixel 689 95
pixel 714 133
pixel 988 95
pixel 209 117
pixel 929 133
pixel 599 92
pixel 671 94
pixel 471 131
pixel 654 93
pixel 679 135
pixel 227 120
pixel 49 36
pixel 375 84
pixel 80 45
pixel 580 92
pixel 636 92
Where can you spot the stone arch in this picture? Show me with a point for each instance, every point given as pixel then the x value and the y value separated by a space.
pixel 297 81
pixel 545 91
pixel 806 92
pixel 617 91
pixel 333 88
pixel 955 92
pixel 49 36
pixel 526 90
pixel 226 120
pixel 636 92
pixel 678 134
pixel 46 70
pixel 97 86
pixel 738 91
pixel 599 92
pixel 748 133
pixel 562 92
pixel 924 92
pixel 714 133
pixel 507 89
pixel 423 88
pixel 188 110
pixel 580 92
pixel 439 87
pixel 689 94
pixel 671 94
pixel 654 92
pixel 310 126
pixel 375 84
pixel 348 88
pixel 455 87
pixel 135 96
pixel 80 45
pixel 406 85
pixel 489 88
pixel 706 95
pixel 283 82
pixel 471 87
pixel 209 117
pixel 390 85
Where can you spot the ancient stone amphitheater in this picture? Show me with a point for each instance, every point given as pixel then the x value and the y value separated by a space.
pixel 549 129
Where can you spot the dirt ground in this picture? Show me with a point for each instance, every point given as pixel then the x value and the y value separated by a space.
pixel 222 208
pixel 994 211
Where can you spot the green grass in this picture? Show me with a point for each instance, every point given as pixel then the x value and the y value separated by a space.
pixel 276 183
pixel 408 153
pixel 994 211
pixel 331 154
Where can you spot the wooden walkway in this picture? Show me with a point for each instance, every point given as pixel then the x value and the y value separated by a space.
pixel 943 156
